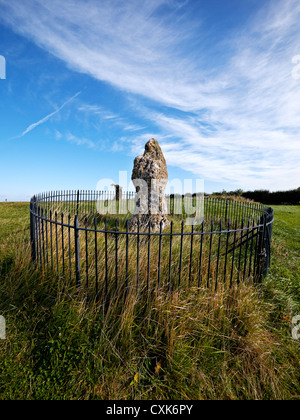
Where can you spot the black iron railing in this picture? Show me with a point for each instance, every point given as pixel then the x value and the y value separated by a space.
pixel 98 252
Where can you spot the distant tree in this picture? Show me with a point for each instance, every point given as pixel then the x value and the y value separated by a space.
pixel 276 197
pixel 239 192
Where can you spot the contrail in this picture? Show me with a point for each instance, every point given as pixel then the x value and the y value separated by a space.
pixel 43 120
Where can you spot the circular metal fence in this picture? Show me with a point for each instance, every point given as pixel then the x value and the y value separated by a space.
pixel 98 252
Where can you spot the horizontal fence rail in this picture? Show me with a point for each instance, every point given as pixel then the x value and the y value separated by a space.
pixel 99 253
pixel 85 203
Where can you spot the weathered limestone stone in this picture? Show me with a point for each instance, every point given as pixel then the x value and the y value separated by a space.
pixel 150 177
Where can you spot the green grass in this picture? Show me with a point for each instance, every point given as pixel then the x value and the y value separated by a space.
pixel 287 226
pixel 229 345
pixel 14 218
pixel 282 284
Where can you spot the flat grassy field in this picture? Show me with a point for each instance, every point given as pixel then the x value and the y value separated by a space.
pixel 234 345
pixel 283 279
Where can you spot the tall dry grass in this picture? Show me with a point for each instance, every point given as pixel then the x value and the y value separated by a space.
pixel 190 343
pixel 109 262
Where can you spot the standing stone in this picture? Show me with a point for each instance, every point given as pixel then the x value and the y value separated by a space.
pixel 150 177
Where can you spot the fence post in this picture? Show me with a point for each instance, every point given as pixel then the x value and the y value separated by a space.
pixel 32 229
pixel 262 255
pixel 77 253
pixel 264 246
pixel 268 237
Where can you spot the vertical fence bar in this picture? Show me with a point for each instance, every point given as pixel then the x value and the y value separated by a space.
pixel 106 259
pixel 261 249
pixel 77 203
pixel 96 255
pixel 69 240
pixel 268 216
pixel 51 240
pixel 149 249
pixel 138 256
pixel 46 227
pixel 63 244
pixel 226 251
pixel 233 254
pixel 36 233
pixel 77 251
pixel 32 231
pixel 170 257
pixel 256 253
pixel 116 255
pixel 270 232
pixel 209 257
pixel 86 252
pixel 40 236
pixel 180 256
pixel 251 247
pixel 246 249
pixel 240 253
pixel 191 254
pixel 159 253
pixel 200 256
pixel 218 255
pixel 127 261
pixel 56 241
pixel 226 210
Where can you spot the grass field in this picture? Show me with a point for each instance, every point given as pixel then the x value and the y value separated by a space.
pixel 235 344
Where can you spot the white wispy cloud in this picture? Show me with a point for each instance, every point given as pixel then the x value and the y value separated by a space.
pixel 45 119
pixel 105 115
pixel 237 119
pixel 98 111
pixel 129 46
pixel 81 141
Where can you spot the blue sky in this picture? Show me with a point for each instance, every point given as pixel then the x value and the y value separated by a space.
pixel 89 82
